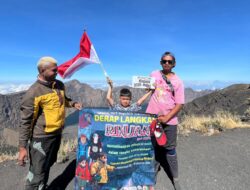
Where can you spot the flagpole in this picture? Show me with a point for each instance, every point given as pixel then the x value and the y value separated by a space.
pixel 109 81
pixel 102 67
pixel 104 72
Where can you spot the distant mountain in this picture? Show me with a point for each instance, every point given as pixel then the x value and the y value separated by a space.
pixel 90 97
pixel 209 85
pixel 234 99
pixel 198 85
pixel 191 94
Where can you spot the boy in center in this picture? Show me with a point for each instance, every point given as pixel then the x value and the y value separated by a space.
pixel 125 99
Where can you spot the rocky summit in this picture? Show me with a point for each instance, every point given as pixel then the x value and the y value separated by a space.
pixel 234 99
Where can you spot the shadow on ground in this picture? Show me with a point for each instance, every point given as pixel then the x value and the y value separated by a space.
pixel 62 181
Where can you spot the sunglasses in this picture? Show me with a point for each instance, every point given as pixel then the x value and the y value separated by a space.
pixel 170 62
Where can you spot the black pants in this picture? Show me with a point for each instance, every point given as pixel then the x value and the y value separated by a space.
pixel 163 154
pixel 43 154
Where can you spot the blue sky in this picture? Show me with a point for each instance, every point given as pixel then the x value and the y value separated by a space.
pixel 210 38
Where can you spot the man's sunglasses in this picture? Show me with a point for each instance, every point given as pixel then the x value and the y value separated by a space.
pixel 170 62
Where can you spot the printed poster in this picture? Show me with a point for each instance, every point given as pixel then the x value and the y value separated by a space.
pixel 143 82
pixel 114 151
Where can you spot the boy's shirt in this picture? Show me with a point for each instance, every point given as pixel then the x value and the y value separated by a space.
pixel 133 107
pixel 162 100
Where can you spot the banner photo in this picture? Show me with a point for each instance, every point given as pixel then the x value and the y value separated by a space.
pixel 115 151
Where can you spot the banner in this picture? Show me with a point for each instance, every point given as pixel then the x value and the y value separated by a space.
pixel 114 151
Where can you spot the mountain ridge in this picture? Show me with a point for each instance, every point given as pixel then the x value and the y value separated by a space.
pixel 90 97
pixel 234 99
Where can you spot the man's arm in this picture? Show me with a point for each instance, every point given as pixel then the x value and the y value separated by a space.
pixel 109 93
pixel 144 97
pixel 69 103
pixel 28 109
pixel 171 114
pixel 179 99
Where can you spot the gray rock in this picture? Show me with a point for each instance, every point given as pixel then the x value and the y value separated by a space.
pixel 10 110
pixel 233 99
pixel 11 136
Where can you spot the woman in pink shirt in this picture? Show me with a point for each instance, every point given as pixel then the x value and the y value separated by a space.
pixel 166 101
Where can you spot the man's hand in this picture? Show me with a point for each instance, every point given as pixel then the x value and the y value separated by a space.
pixel 22 156
pixel 163 118
pixel 77 105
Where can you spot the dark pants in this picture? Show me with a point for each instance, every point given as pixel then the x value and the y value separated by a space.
pixel 43 154
pixel 166 156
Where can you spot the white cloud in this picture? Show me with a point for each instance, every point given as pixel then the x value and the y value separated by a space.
pixel 208 85
pixel 11 88
pixel 103 85
pixel 195 85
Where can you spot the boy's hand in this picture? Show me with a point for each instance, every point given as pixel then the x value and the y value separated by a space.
pixel 153 87
pixel 149 90
pixel 110 82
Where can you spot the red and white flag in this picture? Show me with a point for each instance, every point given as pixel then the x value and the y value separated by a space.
pixel 86 56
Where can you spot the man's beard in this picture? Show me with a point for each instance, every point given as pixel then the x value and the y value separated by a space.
pixel 51 78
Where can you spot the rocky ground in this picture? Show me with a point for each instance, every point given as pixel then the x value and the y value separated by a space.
pixel 219 162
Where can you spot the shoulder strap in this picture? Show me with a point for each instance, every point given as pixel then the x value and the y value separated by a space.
pixel 168 83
